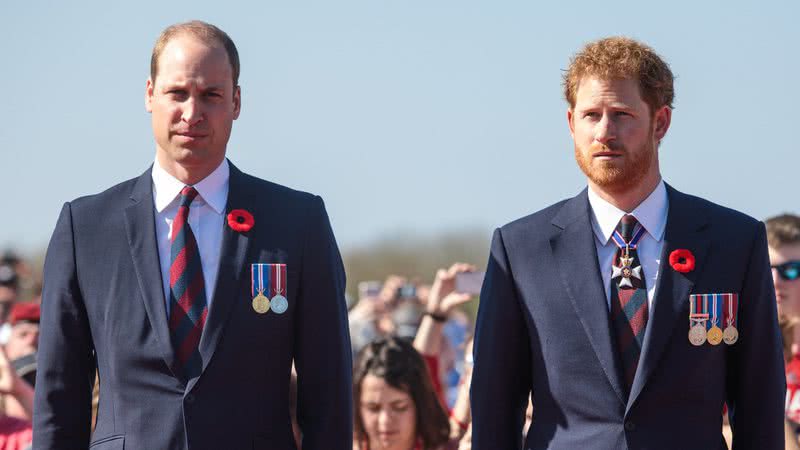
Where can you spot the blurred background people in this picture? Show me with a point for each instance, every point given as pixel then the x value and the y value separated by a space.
pixel 783 241
pixel 396 406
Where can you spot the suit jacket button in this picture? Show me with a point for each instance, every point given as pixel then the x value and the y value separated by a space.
pixel 630 426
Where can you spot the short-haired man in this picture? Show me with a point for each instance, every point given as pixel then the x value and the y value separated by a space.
pixel 783 239
pixel 192 288
pixel 631 313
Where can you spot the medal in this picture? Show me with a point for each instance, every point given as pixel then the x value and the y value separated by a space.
pixel 715 333
pixel 698 316
pixel 260 303
pixel 731 334
pixel 697 334
pixel 279 304
pixel 259 280
pixel 625 270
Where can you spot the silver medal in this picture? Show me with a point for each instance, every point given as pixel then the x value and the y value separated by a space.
pixel 279 304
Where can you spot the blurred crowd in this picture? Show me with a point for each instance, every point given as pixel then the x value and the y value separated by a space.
pixel 411 341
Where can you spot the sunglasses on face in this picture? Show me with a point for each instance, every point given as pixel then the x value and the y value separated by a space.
pixel 789 270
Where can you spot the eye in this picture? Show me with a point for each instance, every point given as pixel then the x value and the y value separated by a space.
pixel 213 94
pixel 622 114
pixel 400 407
pixel 372 407
pixel 591 115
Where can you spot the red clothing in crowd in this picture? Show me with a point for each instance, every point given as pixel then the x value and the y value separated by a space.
pixel 793 389
pixel 15 434
pixel 433 367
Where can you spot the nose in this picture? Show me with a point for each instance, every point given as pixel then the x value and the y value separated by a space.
pixel 605 131
pixel 192 112
pixel 384 419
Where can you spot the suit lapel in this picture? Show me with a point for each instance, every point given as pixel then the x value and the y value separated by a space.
pixel 141 231
pixel 685 229
pixel 576 255
pixel 233 255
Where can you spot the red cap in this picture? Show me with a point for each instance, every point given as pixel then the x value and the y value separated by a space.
pixel 24 312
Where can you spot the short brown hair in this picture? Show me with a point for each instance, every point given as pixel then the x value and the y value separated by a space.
pixel 397 362
pixel 620 57
pixel 207 33
pixel 783 230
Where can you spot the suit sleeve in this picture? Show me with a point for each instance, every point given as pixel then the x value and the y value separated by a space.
pixel 322 339
pixel 757 380
pixel 501 377
pixel 66 365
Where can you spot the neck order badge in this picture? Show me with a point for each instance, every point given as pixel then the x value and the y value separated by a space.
pixel 268 288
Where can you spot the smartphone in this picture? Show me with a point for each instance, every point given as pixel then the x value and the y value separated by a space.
pixel 369 289
pixel 469 282
pixel 408 290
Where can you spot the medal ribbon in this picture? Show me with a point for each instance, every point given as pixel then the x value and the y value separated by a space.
pixel 279 280
pixel 638 232
pixel 732 301
pixel 257 283
pixel 715 310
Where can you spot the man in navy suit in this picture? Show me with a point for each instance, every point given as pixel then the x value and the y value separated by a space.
pixel 631 314
pixel 192 289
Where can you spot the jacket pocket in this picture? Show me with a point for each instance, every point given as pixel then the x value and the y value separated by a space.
pixel 109 443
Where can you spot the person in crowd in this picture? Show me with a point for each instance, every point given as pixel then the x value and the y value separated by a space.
pixel 9 293
pixel 192 289
pixel 15 433
pixel 397 407
pixel 783 239
pixel 441 301
pixel 21 352
pixel 609 308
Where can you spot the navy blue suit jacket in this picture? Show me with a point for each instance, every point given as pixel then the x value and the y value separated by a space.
pixel 103 307
pixel 543 329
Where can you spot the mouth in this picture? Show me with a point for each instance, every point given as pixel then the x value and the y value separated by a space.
pixel 607 154
pixel 191 134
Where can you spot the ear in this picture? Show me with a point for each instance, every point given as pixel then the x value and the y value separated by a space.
pixel 148 95
pixel 569 122
pixel 662 120
pixel 237 102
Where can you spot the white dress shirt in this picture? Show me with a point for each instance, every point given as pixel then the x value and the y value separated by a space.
pixel 652 214
pixel 206 218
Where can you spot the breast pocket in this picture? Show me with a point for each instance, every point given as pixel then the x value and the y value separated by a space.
pixel 109 443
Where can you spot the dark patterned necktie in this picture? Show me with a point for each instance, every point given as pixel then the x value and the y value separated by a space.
pixel 628 296
pixel 187 290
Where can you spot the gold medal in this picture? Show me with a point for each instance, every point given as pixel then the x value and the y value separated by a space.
pixel 714 335
pixel 261 303
pixel 697 334
pixel 730 335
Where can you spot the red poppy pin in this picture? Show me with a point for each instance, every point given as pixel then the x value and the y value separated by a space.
pixel 682 260
pixel 240 220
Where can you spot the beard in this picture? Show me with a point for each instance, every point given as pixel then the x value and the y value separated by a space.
pixel 621 173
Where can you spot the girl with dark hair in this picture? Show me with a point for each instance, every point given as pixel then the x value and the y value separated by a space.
pixel 396 407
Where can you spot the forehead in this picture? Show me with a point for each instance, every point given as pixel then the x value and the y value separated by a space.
pixel 784 253
pixel 376 389
pixel 186 58
pixel 593 91
pixel 26 326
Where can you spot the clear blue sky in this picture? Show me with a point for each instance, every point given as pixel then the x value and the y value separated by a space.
pixel 403 115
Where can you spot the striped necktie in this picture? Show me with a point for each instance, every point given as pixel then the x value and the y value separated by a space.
pixel 628 296
pixel 187 301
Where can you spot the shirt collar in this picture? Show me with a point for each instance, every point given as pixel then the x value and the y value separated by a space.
pixel 651 213
pixel 212 189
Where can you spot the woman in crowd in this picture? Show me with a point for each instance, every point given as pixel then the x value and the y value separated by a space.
pixel 396 407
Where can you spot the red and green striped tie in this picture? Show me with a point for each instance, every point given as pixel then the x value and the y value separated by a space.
pixel 187 301
pixel 628 299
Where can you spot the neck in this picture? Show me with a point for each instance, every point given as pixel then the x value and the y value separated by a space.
pixel 628 198
pixel 188 174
